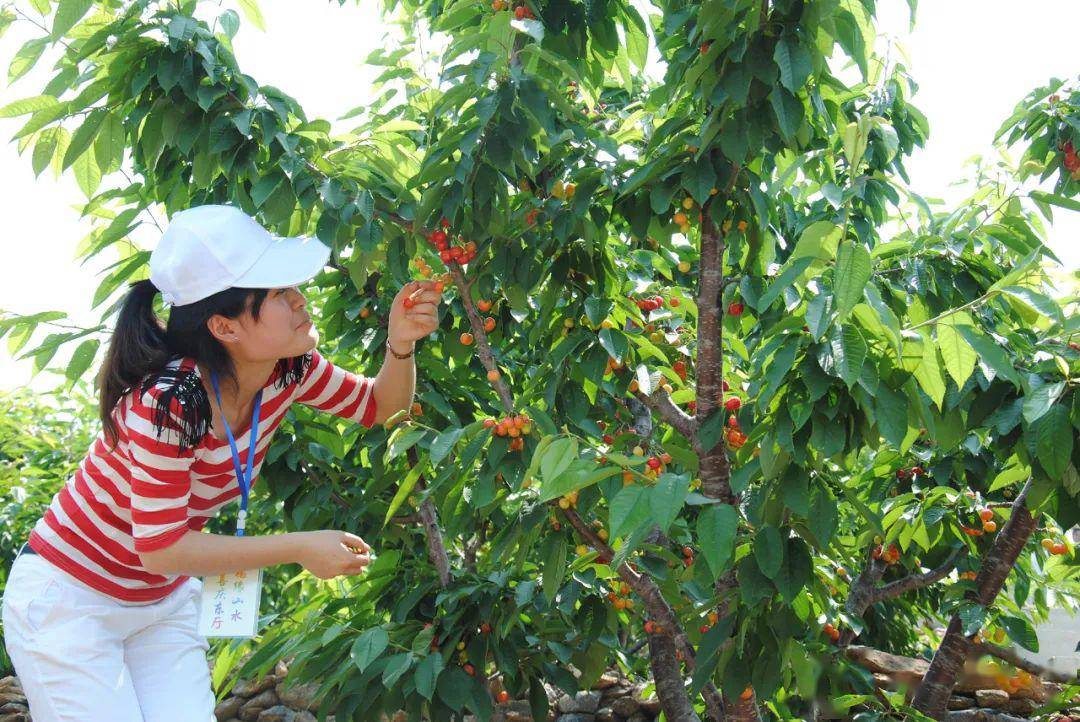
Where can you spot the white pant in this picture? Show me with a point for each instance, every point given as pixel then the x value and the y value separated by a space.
pixel 81 656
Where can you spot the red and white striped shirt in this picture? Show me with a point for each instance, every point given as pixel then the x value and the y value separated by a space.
pixel 144 494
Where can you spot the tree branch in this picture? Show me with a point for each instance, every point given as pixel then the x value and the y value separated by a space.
pixel 1010 656
pixel 917 581
pixel 661 403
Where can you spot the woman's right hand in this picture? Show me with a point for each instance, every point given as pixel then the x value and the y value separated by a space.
pixel 326 553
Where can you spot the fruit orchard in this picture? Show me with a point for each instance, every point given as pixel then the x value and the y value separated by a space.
pixel 689 412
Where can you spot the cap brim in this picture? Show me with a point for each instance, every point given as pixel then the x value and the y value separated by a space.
pixel 286 262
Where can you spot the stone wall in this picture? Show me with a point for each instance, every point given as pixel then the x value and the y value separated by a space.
pixel 613 699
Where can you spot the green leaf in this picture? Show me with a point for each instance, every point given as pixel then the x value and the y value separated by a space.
pixel 629 508
pixel 442 445
pixel 26 57
pixel 668 496
pixel 427 674
pixel 1054 441
pixel 557 457
pixel 1037 301
pixel 81 359
pixel 396 665
pixel 82 138
pixel 1039 401
pixel 892 415
pixel 406 487
pixel 368 646
pixel 769 550
pixel 87 174
pixel 615 343
pixel 251 11
pixel 823 515
pixel 782 281
pixel 716 527
pixel 1052 198
pixel 973 617
pixel 554 568
pixel 28 105
pixel 69 12
pixel 110 143
pixel 789 112
pixel 1020 631
pixel 957 353
pixel 794 62
pixel 928 372
pixel 849 353
pixel 990 353
pixel 853 269
pixel 795 570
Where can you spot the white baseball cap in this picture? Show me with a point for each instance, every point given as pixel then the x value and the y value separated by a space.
pixel 209 248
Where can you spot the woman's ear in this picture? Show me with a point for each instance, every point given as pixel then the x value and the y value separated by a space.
pixel 221 328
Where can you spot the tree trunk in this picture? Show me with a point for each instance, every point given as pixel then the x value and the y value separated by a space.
pixel 669 682
pixel 932 695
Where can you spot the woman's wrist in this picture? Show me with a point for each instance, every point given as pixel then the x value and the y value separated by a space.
pixel 399 347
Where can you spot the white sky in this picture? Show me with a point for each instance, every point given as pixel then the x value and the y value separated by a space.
pixel 973 60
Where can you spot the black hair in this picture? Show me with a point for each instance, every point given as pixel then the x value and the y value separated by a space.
pixel 141 348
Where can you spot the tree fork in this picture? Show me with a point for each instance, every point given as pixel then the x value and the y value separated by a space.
pixel 430 520
pixel 932 694
pixel 657 606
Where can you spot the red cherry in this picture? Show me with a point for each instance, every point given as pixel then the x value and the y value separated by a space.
pixel 438 236
pixel 653 463
pixel 445 223
pixel 733 404
pixel 735 308
pixel 444 255
pixel 724 386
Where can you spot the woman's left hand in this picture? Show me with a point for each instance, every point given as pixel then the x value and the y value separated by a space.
pixel 412 319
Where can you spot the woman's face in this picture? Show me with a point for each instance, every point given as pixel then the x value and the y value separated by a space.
pixel 284 329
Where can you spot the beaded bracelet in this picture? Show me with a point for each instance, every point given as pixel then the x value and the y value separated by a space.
pixel 398 355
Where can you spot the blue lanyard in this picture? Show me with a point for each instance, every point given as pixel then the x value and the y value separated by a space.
pixel 243 476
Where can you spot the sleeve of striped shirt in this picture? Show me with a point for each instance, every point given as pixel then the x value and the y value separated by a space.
pixel 160 475
pixel 336 391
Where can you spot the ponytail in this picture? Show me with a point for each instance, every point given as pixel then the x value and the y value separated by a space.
pixel 138 348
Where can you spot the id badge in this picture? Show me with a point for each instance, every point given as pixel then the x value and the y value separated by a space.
pixel 229 604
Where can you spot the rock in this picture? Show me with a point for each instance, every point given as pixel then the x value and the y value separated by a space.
pixel 1023 707
pixel 229 707
pixel 619 690
pixel 960 702
pixel 252 687
pixel 586 701
pixel 649 706
pixel 577 717
pixel 605 714
pixel 10 683
pixel 514 716
pixel 995 698
pixel 281 713
pixel 12 696
pixel 607 679
pixel 298 696
pixel 517 710
pixel 981 715
pixel 638 717
pixel 251 709
pixel 625 706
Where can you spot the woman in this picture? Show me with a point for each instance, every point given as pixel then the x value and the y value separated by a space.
pixel 100 608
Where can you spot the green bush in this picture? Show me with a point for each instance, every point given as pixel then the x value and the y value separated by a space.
pixel 43 437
